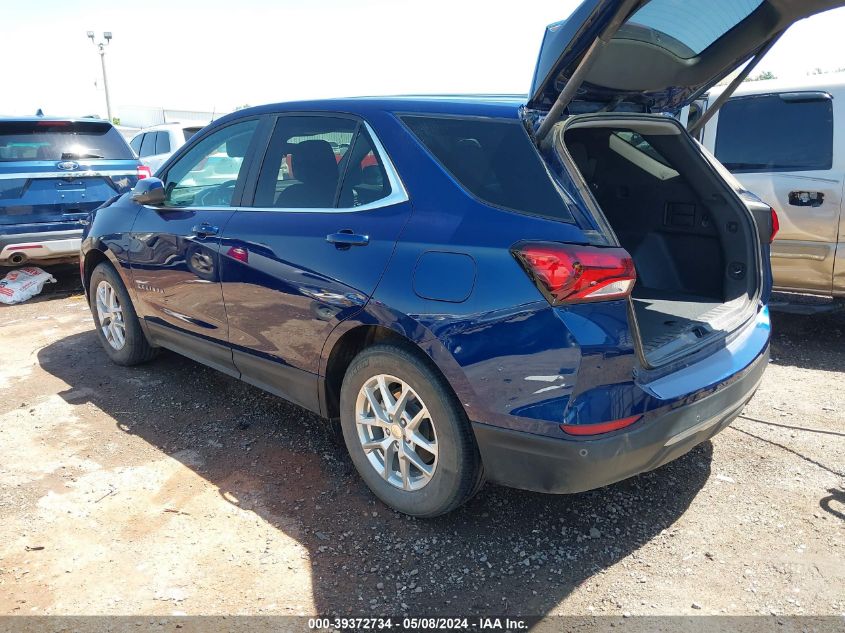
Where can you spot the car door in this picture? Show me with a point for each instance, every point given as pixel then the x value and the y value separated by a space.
pixel 781 147
pixel 308 249
pixel 175 263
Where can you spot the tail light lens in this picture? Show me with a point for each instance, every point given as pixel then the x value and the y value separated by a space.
pixel 775 226
pixel 567 273
pixel 601 427
pixel 144 172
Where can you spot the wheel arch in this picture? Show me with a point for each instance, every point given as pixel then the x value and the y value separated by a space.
pixel 343 346
pixel 95 256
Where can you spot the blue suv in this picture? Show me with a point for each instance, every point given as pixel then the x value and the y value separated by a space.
pixel 53 172
pixel 553 294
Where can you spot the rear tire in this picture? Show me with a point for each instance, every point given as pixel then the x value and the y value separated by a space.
pixel 117 324
pixel 413 447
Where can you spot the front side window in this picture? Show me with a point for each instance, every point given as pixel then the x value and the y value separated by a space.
pixel 494 160
pixel 207 174
pixel 769 133
pixel 320 162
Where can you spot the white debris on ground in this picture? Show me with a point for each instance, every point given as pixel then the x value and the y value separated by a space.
pixel 23 283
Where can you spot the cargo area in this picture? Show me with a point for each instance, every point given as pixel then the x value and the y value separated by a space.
pixel 692 240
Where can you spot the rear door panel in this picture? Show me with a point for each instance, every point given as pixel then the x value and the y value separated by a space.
pixel 808 201
pixel 804 251
pixel 286 286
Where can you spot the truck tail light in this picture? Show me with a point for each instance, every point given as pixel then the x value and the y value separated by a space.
pixel 569 273
pixel 775 226
pixel 144 172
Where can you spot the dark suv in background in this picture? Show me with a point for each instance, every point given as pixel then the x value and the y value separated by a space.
pixel 53 173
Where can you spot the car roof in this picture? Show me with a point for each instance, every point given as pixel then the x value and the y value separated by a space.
pixel 33 119
pixel 499 106
pixel 823 82
pixel 170 125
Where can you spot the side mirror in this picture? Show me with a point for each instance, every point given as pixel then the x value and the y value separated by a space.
pixel 149 191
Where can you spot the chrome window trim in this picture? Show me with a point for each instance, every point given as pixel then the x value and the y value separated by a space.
pixel 398 194
pixel 68 174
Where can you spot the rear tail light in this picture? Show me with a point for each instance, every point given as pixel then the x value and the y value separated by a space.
pixel 144 172
pixel 239 253
pixel 601 427
pixel 568 273
pixel 775 226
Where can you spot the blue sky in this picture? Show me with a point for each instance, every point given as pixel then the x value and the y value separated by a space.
pixel 220 54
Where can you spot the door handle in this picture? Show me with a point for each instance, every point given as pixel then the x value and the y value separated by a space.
pixel 806 198
pixel 205 230
pixel 346 238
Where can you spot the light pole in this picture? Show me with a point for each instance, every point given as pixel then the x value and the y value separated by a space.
pixel 101 46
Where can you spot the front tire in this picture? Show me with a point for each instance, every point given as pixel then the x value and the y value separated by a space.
pixel 406 433
pixel 117 324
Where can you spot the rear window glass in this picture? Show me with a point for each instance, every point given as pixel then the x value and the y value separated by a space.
pixel 189 132
pixel 61 140
pixel 790 132
pixel 493 160
pixel 686 28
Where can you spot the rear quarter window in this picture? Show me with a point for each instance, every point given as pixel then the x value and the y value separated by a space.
pixel 492 159
pixel 770 133
pixel 188 132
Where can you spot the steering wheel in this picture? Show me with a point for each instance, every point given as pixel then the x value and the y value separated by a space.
pixel 219 195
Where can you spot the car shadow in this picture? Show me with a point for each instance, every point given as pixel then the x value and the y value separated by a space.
pixel 814 341
pixel 504 552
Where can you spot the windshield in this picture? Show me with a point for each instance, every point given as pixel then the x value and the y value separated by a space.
pixel 61 140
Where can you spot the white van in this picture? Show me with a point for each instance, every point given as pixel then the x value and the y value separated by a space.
pixel 785 142
pixel 154 145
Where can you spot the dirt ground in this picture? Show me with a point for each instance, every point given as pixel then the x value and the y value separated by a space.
pixel 171 489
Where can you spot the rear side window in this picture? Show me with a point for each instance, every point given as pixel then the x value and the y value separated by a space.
pixel 61 140
pixel 148 145
pixel 135 144
pixel 494 160
pixel 162 142
pixel 768 133
pixel 304 163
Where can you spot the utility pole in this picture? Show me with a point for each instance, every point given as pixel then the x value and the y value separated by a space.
pixel 101 46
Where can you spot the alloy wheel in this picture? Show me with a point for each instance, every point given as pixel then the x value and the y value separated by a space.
pixel 110 315
pixel 396 432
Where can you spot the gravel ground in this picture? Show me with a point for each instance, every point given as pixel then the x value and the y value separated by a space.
pixel 171 488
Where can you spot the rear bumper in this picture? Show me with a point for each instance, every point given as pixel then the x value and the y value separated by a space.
pixel 26 247
pixel 552 465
